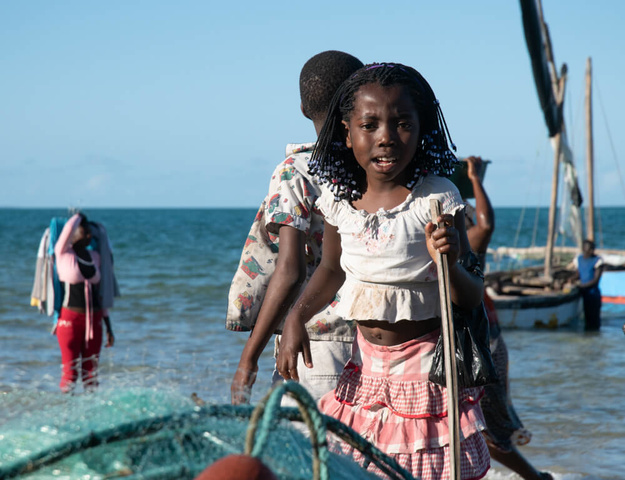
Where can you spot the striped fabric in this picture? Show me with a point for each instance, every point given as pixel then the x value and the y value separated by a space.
pixel 384 394
pixel 432 464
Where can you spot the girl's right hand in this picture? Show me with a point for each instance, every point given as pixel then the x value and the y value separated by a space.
pixel 293 342
pixel 444 239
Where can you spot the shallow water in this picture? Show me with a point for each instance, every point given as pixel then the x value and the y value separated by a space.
pixel 174 268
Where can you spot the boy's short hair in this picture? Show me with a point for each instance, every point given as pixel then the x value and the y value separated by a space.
pixel 588 243
pixel 320 77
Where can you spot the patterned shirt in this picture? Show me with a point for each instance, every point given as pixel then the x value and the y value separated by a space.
pixel 290 201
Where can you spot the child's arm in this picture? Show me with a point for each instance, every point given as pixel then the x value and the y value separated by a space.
pixel 320 291
pixel 64 242
pixel 595 280
pixel 110 337
pixel 480 234
pixel 283 287
pixel 467 290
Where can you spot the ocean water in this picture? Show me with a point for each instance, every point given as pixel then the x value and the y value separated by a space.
pixel 174 268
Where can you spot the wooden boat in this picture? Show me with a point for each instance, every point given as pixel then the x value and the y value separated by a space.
pixel 523 299
pixel 543 297
pixel 612 287
pixel 546 297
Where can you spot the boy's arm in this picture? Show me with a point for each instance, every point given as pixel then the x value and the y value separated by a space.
pixel 283 287
pixel 480 234
pixel 321 289
pixel 595 280
pixel 467 289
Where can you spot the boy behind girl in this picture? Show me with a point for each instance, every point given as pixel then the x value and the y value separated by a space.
pixel 283 248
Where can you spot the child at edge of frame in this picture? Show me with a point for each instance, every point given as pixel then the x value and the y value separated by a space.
pixel 283 248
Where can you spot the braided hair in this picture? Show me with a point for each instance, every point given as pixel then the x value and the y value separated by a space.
pixel 334 164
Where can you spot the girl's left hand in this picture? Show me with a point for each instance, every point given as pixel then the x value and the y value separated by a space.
pixel 444 239
pixel 110 339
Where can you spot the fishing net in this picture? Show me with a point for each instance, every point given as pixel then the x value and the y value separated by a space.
pixel 156 434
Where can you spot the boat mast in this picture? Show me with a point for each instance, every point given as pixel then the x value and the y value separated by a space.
pixel 590 219
pixel 556 142
pixel 557 86
pixel 550 88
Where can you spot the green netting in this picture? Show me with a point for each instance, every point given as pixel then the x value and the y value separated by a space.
pixel 156 434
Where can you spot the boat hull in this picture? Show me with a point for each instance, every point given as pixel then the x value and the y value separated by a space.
pixel 548 310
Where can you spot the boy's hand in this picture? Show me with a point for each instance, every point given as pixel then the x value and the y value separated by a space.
pixel 293 342
pixel 241 387
pixel 443 239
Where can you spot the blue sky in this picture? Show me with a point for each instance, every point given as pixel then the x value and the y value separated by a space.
pixel 148 103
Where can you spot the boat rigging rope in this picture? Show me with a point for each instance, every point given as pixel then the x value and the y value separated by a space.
pixel 616 163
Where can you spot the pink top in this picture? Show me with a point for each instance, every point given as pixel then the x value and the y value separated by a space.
pixel 69 271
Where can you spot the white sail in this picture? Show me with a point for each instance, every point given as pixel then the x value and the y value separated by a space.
pixel 570 224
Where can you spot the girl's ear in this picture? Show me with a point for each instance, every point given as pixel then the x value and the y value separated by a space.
pixel 348 139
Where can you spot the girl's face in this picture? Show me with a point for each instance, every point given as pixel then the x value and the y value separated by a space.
pixel 383 131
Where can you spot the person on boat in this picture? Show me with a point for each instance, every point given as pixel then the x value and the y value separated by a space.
pixel 283 249
pixel 79 326
pixel 382 153
pixel 504 430
pixel 589 268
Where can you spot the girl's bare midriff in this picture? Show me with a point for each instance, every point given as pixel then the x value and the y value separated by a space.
pixel 387 334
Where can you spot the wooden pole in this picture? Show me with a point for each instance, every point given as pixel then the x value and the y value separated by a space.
pixel 449 350
pixel 590 218
pixel 556 142
pixel 553 205
pixel 557 84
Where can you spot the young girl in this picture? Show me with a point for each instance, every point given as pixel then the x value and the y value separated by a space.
pixel 381 150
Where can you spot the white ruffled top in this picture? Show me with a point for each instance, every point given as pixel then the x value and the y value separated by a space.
pixel 390 275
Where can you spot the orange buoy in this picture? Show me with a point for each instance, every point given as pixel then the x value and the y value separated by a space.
pixel 237 467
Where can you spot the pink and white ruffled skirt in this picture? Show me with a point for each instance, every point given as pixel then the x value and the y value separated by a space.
pixel 385 395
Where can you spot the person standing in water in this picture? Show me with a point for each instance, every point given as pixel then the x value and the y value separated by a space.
pixel 589 268
pixel 79 326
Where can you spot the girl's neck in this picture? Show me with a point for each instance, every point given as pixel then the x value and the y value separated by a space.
pixel 384 196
